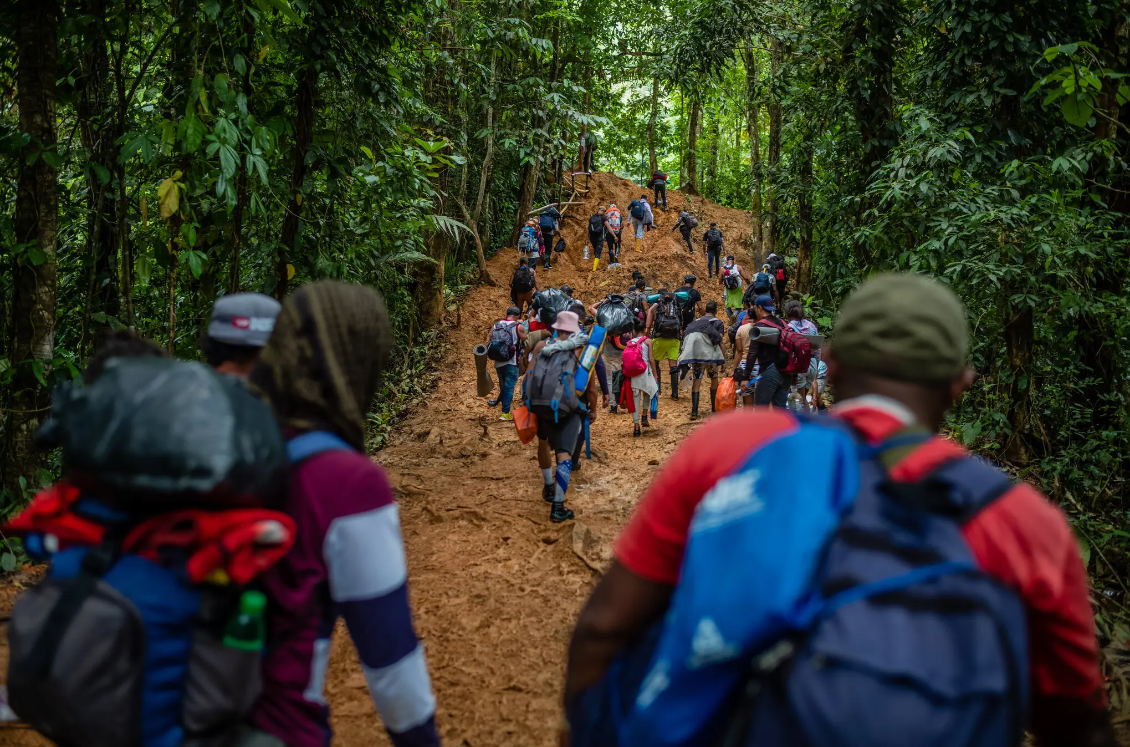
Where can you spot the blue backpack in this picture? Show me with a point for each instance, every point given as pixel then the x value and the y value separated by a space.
pixel 113 649
pixel 873 628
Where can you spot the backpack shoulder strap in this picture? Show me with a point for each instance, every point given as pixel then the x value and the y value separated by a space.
pixel 975 484
pixel 301 448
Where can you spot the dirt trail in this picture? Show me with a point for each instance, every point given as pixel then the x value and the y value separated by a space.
pixel 494 585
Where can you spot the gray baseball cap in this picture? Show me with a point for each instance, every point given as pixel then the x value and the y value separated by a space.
pixel 243 319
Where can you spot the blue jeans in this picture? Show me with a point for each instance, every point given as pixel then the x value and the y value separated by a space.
pixel 712 263
pixel 507 378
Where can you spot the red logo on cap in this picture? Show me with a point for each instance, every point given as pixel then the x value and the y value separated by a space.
pixel 241 322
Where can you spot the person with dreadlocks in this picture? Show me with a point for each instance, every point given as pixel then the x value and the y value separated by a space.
pixel 320 371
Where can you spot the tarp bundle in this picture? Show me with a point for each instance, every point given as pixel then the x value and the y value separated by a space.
pixel 153 433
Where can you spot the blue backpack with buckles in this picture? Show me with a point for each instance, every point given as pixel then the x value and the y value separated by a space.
pixel 842 609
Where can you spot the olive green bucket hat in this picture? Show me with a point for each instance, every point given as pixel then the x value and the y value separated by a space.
pixel 903 327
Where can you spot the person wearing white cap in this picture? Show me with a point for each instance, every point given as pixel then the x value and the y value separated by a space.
pixel 558 409
pixel 240 326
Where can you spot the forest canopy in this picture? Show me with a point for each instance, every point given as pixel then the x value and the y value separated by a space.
pixel 155 154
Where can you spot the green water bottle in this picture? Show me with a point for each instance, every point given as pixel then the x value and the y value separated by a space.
pixel 245 631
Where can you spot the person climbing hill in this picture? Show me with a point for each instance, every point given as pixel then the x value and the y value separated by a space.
pixel 780 272
pixel 599 229
pixel 761 285
pixel 658 184
pixel 732 279
pixel 529 241
pixel 504 346
pixel 557 406
pixel 713 240
pixel 690 300
pixel 648 215
pixel 616 223
pixel 523 285
pixel 588 144
pixel 702 353
pixel 638 210
pixel 684 225
pixel 641 369
pixel 548 221
pixel 664 326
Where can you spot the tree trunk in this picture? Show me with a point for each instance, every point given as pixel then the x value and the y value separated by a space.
pixel 126 273
pixel 97 130
pixel 871 52
pixel 683 144
pixel 804 218
pixel 171 345
pixel 691 186
pixel 651 125
pixel 769 224
pixel 712 164
pixel 484 177
pixel 241 190
pixel 1105 389
pixel 430 276
pixel 531 170
pixel 752 104
pixel 1018 334
pixel 303 136
pixel 36 224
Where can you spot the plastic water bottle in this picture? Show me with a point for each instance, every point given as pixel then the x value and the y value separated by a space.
pixel 796 404
pixel 586 251
pixel 246 630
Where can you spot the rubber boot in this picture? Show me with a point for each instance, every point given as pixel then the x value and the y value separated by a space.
pixel 595 264
pixel 694 405
pixel 674 383
pixel 637 245
pixel 659 379
pixel 713 400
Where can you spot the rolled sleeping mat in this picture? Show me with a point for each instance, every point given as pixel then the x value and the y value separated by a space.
pixel 765 334
pixel 485 383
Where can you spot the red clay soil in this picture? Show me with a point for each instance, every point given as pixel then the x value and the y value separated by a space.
pixel 494 585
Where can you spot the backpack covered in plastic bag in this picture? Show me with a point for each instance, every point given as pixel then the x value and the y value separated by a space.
pixel 552 300
pixel 129 639
pixel 152 434
pixel 615 315
pixel 876 628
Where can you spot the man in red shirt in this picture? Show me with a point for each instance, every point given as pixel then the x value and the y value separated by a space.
pixel 897 366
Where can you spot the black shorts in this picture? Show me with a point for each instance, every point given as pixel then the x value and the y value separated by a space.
pixel 597 241
pixel 563 434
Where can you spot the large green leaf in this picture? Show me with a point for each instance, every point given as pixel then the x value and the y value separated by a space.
pixel 1077 109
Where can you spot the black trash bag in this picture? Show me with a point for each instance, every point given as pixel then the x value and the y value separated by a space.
pixel 615 315
pixel 151 434
pixel 551 299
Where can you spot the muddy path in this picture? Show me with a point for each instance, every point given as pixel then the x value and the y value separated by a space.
pixel 495 586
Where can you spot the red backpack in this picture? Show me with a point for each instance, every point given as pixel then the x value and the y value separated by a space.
pixel 795 351
pixel 635 362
